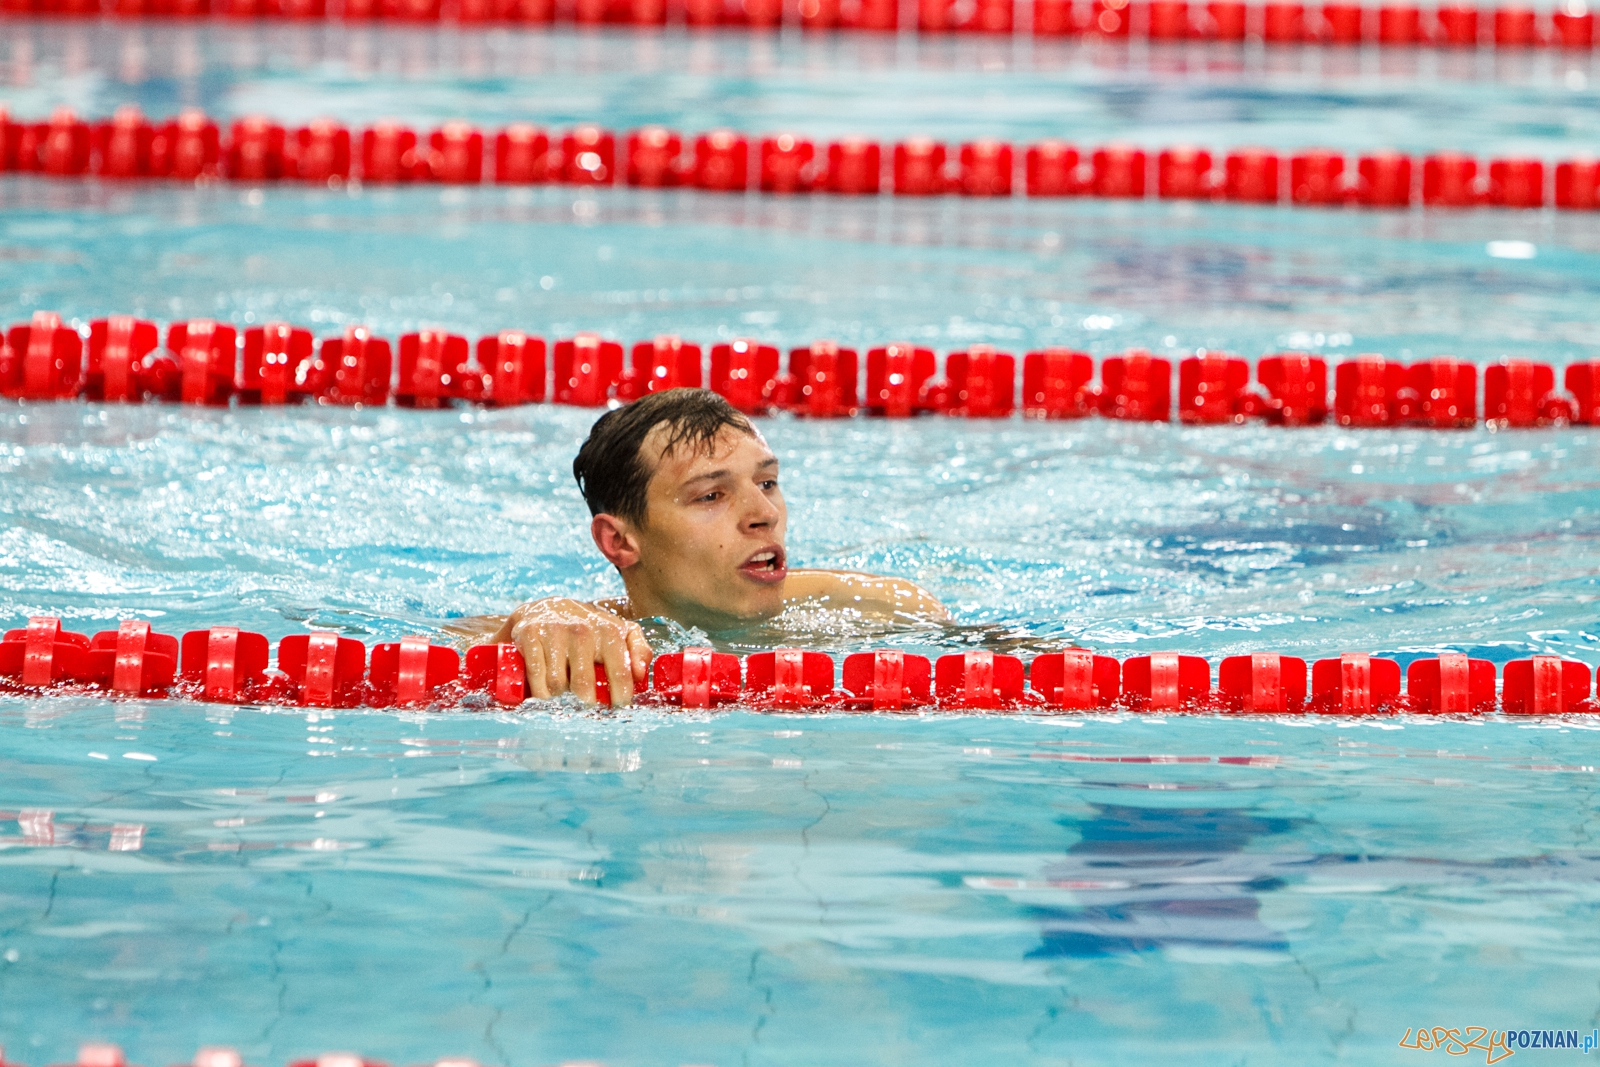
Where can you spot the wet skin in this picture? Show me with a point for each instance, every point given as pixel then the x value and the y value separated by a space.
pixel 709 554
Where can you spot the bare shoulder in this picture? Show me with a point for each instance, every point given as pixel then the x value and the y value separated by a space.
pixel 873 594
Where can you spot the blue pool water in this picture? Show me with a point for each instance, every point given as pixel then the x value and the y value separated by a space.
pixel 643 888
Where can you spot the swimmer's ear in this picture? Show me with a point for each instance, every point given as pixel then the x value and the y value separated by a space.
pixel 614 538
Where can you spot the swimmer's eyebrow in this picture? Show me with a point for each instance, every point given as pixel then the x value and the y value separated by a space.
pixel 713 476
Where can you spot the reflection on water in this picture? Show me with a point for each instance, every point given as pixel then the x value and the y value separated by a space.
pixel 732 887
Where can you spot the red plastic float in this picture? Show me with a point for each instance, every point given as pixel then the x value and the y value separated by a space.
pixel 1457 26
pixel 43 654
pixel 325 670
pixel 1355 684
pixel 412 672
pixel 1342 23
pixel 896 374
pixel 1578 185
pixel 1184 172
pixel 1451 684
pixel 919 168
pixel 1545 685
pixel 826 379
pixel 360 366
pixel 516 367
pixel 1226 20
pixel 1076 679
pixel 744 372
pixel 1316 177
pixel 587 368
pixel 1572 25
pixel 1283 23
pixel 1136 386
pixel 500 671
pixel 1110 18
pixel 1450 179
pixel 1365 391
pixel 981 382
pixel 887 680
pixel 1210 387
pixel 588 156
pixel 1169 20
pixel 225 665
pixel 1448 389
pixel 1297 388
pixel 433 365
pixel 389 154
pixel 455 154
pixel 522 155
pixel 255 150
pixel 1166 681
pixel 986 168
pixel 1384 180
pixel 1400 25
pixel 275 358
pixel 46 359
pixel 788 678
pixel 855 167
pixel 1516 27
pixel 721 161
pixel 1516 183
pixel 978 680
pixel 133 660
pixel 1055 384
pixel 124 145
pixel 788 164
pixel 1517 393
pixel 1051 169
pixel 696 678
pixel 319 153
pixel 206 352
pixel 1263 683
pixel 1583 382
pixel 1119 171
pixel 668 362
pixel 63 146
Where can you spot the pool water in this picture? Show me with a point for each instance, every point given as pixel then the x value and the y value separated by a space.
pixel 647 888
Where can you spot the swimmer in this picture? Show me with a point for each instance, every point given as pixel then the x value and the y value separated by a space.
pixel 684 496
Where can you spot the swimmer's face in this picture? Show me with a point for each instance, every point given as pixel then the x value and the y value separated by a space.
pixel 710 552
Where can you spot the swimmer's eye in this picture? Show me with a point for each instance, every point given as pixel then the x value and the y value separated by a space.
pixel 769 484
pixel 709 497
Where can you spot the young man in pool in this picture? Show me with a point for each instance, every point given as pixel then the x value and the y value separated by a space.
pixel 684 496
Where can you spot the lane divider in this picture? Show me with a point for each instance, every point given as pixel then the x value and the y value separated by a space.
pixel 193 147
pixel 205 362
pixel 227 665
pixel 1510 28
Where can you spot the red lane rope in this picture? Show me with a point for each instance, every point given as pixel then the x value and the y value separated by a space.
pixel 1513 27
pixel 121 359
pixel 231 666
pixel 192 147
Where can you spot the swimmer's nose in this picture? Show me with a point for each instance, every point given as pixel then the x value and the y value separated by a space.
pixel 762 511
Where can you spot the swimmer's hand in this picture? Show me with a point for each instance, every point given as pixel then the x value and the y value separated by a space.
pixel 562 640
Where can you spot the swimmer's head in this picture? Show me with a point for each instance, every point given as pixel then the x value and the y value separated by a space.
pixel 684 496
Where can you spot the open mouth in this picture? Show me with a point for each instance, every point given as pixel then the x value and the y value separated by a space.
pixel 767 565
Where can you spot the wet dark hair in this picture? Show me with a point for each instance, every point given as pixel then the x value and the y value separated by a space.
pixel 613 476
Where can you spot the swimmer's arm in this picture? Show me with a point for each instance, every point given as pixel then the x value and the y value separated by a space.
pixel 870 594
pixel 487 629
